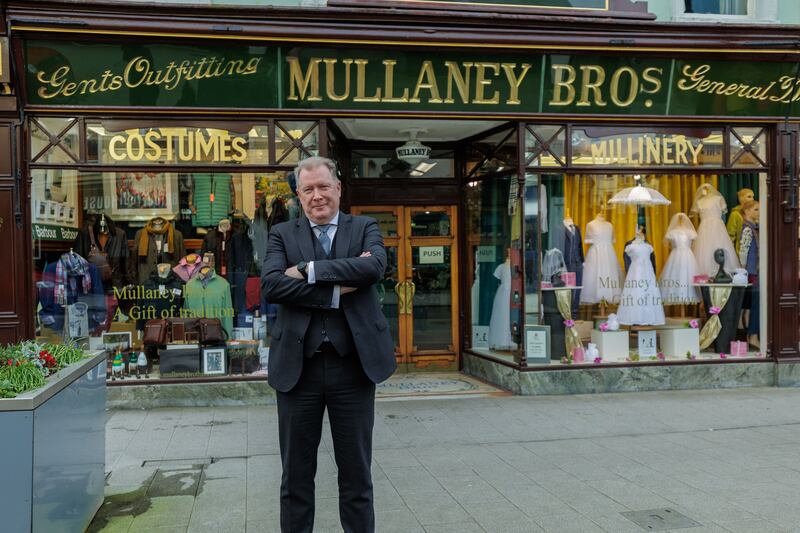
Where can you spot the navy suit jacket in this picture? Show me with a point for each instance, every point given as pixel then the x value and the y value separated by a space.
pixel 291 242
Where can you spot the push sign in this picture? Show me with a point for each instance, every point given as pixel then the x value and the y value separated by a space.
pixel 431 255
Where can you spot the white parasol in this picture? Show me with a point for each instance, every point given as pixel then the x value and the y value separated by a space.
pixel 639 195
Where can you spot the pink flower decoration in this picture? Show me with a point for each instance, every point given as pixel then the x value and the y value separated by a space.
pixel 694 324
pixel 569 322
pixel 714 310
pixel 693 357
pixel 565 361
pixel 604 326
pixel 598 360
pixel 759 354
pixel 723 356
pixel 661 356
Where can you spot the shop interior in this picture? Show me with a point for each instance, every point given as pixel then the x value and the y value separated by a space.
pixel 148 239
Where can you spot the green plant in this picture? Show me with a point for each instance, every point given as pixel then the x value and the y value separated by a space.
pixel 22 376
pixel 25 366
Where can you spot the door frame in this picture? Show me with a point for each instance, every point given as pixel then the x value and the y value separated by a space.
pixel 408 358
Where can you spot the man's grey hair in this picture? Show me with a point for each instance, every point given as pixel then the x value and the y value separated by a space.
pixel 314 162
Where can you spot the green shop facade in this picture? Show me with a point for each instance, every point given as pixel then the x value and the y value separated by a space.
pixel 554 186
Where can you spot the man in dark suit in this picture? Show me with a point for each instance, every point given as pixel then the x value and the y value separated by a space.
pixel 330 346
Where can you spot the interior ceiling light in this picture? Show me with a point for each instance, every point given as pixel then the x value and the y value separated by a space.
pixel 413 152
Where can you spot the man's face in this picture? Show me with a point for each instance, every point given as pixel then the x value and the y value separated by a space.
pixel 319 194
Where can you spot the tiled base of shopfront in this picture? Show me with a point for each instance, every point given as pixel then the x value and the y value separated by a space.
pixel 483 377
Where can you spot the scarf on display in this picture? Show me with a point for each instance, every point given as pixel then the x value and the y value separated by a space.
pixel 150 229
pixel 70 267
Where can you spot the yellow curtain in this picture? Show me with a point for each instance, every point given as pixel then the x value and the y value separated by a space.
pixel 587 195
pixel 719 297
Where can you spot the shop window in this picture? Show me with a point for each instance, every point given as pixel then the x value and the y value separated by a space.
pixel 748 147
pixel 638 278
pixel 726 10
pixel 54 140
pixel 545 146
pixel 492 154
pixel 384 163
pixel 123 234
pixel 716 7
pixel 494 211
pixel 295 141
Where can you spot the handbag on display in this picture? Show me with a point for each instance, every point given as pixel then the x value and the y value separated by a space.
pixel 211 331
pixel 179 328
pixel 155 332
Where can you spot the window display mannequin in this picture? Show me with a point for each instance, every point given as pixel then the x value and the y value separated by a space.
pixel 735 219
pixel 553 264
pixel 208 295
pixel 233 255
pixel 211 199
pixel 711 233
pixel 681 267
pixel 71 280
pixel 188 266
pixel 158 242
pixel 573 256
pixel 748 255
pixel 163 295
pixel 102 236
pixel 601 270
pixel 640 303
pixel 500 322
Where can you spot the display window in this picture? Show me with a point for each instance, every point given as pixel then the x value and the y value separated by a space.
pixel 625 266
pixel 149 240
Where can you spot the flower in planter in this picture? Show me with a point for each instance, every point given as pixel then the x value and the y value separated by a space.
pixel 694 324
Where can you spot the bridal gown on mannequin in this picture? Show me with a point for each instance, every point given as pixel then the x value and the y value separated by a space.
pixel 681 267
pixel 640 303
pixel 711 233
pixel 500 323
pixel 601 270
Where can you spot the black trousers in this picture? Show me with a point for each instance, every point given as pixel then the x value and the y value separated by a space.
pixel 338 383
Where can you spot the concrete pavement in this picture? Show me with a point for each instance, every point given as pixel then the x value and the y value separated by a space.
pixel 726 460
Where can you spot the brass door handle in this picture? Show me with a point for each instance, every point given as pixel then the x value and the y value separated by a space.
pixel 410 287
pixel 400 289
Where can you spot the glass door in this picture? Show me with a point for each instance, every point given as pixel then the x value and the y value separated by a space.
pixel 419 292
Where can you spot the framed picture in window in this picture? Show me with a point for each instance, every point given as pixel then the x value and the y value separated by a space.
pixel 54 197
pixel 213 361
pixel 141 195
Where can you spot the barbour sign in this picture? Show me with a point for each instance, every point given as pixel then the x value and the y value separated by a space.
pixel 422 80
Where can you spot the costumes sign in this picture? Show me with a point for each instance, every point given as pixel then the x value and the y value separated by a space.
pixel 508 82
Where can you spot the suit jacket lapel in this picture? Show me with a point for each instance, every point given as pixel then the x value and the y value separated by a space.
pixel 343 234
pixel 304 234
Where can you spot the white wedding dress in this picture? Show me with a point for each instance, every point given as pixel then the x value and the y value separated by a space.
pixel 681 267
pixel 500 323
pixel 602 274
pixel 711 233
pixel 640 303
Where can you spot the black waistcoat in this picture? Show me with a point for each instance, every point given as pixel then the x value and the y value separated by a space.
pixel 327 325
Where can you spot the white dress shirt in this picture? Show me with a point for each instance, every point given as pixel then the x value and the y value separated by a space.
pixel 333 225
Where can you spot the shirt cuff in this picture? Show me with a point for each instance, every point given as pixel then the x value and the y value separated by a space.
pixel 310 271
pixel 335 296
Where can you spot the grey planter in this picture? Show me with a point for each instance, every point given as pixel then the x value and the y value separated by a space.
pixel 52 451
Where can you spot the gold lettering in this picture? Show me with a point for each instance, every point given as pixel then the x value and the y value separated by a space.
pixel 69 89
pixel 649 76
pixel 224 147
pixel 666 157
pixel 563 79
pixel 695 76
pixel 680 151
pixel 361 82
pixel 138 155
pixel 207 147
pixel 330 79
pixel 154 152
pixel 56 81
pixel 388 86
pixel 461 81
pixel 653 147
pixel 513 81
pixel 112 148
pixel 695 151
pixel 599 152
pixel 238 145
pixel 632 91
pixel 426 71
pixel 303 83
pixel 137 64
pixel 594 86
pixel 481 83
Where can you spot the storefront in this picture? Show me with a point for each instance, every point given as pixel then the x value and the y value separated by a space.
pixel 559 217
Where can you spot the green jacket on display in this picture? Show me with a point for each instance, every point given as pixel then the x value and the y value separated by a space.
pixel 209 297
